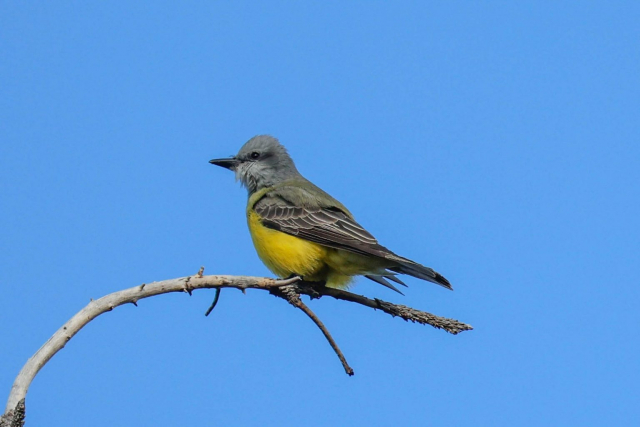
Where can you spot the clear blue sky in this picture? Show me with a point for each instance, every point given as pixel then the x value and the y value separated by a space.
pixel 497 142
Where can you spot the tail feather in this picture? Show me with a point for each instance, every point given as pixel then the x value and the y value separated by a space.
pixel 383 282
pixel 393 277
pixel 421 272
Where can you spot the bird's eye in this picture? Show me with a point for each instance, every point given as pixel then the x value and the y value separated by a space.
pixel 255 155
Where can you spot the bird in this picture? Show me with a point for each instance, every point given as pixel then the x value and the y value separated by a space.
pixel 300 230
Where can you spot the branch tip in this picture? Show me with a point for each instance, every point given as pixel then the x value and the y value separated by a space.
pixel 214 303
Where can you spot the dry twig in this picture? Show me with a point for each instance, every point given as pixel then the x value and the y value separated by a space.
pixel 291 294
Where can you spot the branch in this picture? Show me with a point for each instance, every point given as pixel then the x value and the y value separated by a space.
pixel 14 413
pixel 290 293
pixel 407 313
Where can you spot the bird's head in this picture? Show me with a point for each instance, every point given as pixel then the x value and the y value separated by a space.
pixel 261 162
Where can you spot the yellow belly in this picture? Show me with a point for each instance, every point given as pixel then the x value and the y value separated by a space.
pixel 286 255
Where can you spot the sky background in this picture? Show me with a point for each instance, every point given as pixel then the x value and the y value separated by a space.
pixel 497 142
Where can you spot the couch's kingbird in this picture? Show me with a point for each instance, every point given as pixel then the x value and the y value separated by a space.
pixel 298 229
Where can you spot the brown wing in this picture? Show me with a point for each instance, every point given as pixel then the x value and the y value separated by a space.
pixel 329 227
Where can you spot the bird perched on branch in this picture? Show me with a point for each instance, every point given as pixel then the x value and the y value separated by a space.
pixel 298 229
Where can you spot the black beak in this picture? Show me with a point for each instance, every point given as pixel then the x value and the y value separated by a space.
pixel 229 163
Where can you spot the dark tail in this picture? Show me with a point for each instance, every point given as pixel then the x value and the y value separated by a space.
pixel 382 280
pixel 414 269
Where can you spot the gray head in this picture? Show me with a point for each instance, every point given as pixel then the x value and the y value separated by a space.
pixel 261 162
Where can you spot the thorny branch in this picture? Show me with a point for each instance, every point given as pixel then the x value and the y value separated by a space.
pixel 289 289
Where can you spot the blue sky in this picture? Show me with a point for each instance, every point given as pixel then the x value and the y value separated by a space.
pixel 497 142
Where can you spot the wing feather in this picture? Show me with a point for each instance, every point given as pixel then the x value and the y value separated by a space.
pixel 333 227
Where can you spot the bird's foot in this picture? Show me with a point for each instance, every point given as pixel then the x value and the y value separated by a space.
pixel 311 287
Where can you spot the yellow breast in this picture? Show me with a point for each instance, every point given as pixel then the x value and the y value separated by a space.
pixel 285 255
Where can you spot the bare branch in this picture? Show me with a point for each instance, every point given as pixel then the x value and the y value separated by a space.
pixel 14 413
pixel 290 294
pixel 407 313
pixel 127 296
